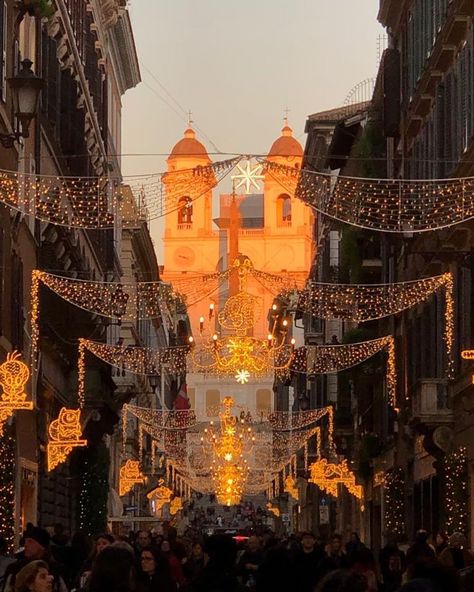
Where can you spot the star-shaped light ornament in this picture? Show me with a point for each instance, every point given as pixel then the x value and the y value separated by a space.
pixel 249 177
pixel 242 376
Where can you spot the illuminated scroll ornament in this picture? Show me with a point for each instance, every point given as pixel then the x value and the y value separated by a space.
pixel 273 510
pixel 64 435
pixel 327 477
pixel 176 505
pixel 161 495
pixel 130 475
pixel 14 374
pixel 290 488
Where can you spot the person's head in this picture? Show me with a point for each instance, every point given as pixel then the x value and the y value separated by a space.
pixel 336 543
pixel 36 543
pixel 58 529
pixel 165 546
pixel 354 538
pixel 342 580
pixel 197 551
pixel 102 541
pixel 253 543
pixel 441 539
pixel 34 577
pixel 421 536
pixel 148 561
pixel 143 539
pixel 394 563
pixel 221 551
pixel 308 541
pixel 112 570
pixel 457 540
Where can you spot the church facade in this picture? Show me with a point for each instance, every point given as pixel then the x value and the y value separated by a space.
pixel 275 231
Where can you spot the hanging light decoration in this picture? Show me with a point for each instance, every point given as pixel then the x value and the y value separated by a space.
pixel 130 475
pixel 14 375
pixel 65 434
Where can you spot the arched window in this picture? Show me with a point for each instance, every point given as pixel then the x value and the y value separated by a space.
pixel 213 399
pixel 284 210
pixel 185 211
pixel 263 401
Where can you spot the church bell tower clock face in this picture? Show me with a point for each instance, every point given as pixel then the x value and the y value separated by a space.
pixel 184 257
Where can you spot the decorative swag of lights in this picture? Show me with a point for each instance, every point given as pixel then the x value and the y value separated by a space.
pixel 384 205
pixel 96 202
pixel 328 359
pixel 127 358
pixel 368 302
pixel 65 434
pixel 14 375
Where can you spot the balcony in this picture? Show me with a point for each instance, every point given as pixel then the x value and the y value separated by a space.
pixel 185 226
pixel 430 402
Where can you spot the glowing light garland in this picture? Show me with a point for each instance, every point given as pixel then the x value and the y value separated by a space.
pixel 64 435
pixel 164 419
pixel 14 375
pixel 394 493
pixel 130 475
pixel 96 202
pixel 384 205
pixel 137 360
pixel 457 491
pixel 327 359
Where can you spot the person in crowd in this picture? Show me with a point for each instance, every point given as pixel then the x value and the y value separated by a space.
pixel 101 542
pixel 176 545
pixel 36 547
pixel 341 580
pixel 307 561
pixel 420 550
pixel 113 570
pixel 34 577
pixel 353 545
pixel 59 537
pixel 73 557
pixel 362 562
pixel 336 557
pixel 393 573
pixel 434 575
pixel 154 573
pixel 143 540
pixel 249 562
pixel 440 542
pixel 5 560
pixel 275 572
pixel 456 554
pixel 194 565
pixel 174 563
pixel 219 575
pixel 390 550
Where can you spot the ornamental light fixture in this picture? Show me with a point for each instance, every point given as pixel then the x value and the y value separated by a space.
pixel 26 88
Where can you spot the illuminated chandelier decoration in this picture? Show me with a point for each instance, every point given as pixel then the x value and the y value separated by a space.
pixel 236 354
pixel 65 434
pixel 92 202
pixel 130 475
pixel 384 205
pixel 327 359
pixel 14 375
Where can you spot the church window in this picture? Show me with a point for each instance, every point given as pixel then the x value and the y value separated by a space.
pixel 284 210
pixel 185 211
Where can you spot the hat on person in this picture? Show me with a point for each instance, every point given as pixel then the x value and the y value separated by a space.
pixel 40 535
pixel 27 574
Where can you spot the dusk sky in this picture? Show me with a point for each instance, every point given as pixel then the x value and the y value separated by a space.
pixel 237 66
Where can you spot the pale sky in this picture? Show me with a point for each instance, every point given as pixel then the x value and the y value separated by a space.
pixel 237 65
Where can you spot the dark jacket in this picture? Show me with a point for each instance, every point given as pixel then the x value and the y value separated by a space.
pixel 307 569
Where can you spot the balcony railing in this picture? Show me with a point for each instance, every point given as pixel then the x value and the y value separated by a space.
pixel 430 401
pixel 185 226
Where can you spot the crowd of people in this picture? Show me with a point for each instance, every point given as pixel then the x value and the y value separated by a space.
pixel 147 561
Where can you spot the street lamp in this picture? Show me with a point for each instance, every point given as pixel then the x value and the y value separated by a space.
pixel 26 88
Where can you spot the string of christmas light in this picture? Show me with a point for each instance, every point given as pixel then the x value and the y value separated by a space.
pixel 457 491
pixel 128 358
pixel 327 359
pixel 367 302
pixel 95 202
pixel 7 488
pixel 385 205
pixel 162 419
pixel 394 505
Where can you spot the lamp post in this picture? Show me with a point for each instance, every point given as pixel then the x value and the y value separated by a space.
pixel 26 88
